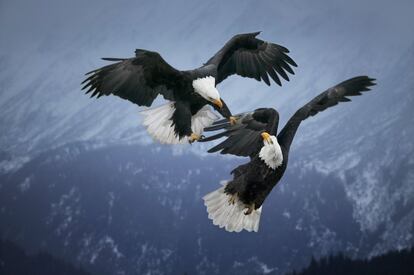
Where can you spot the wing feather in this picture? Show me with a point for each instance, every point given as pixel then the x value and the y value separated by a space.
pixel 248 56
pixel 331 97
pixel 243 138
pixel 139 79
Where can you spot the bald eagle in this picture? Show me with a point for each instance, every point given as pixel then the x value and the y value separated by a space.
pixel 142 78
pixel 238 204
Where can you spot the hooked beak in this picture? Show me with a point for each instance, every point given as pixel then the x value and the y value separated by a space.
pixel 266 137
pixel 218 103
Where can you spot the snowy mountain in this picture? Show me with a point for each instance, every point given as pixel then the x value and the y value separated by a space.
pixel 44 57
pixel 135 209
pixel 81 179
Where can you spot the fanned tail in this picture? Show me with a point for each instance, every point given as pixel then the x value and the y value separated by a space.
pixel 230 216
pixel 159 124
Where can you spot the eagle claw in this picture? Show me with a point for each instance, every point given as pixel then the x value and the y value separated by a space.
pixel 232 199
pixel 232 120
pixel 250 208
pixel 194 137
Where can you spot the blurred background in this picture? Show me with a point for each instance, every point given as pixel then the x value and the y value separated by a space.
pixel 82 180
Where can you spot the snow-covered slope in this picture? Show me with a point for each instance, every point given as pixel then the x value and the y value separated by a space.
pixel 80 176
pixel 45 52
pixel 138 209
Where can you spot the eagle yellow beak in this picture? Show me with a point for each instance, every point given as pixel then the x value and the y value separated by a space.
pixel 266 136
pixel 218 103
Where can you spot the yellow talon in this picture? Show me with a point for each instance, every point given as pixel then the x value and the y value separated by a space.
pixel 193 137
pixel 232 120
pixel 233 198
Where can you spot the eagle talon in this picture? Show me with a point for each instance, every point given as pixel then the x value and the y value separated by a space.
pixel 232 120
pixel 232 199
pixel 201 138
pixel 194 137
pixel 250 208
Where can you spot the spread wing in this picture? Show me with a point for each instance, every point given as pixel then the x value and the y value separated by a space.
pixel 248 56
pixel 243 138
pixel 331 97
pixel 140 79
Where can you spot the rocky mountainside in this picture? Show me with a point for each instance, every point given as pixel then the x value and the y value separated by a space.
pixel 393 262
pixel 14 260
pixel 81 179
pixel 44 58
pixel 137 209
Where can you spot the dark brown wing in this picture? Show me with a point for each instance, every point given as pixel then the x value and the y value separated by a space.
pixel 331 97
pixel 248 56
pixel 140 79
pixel 243 138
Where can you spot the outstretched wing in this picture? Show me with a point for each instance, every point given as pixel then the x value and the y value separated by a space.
pixel 243 138
pixel 331 97
pixel 248 56
pixel 140 79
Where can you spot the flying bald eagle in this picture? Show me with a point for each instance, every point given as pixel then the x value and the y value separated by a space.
pixel 142 78
pixel 238 204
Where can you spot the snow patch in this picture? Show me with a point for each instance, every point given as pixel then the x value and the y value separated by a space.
pixel 25 185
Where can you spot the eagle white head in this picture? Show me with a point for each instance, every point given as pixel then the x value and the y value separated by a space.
pixel 206 87
pixel 271 153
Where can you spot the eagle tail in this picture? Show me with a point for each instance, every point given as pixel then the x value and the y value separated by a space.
pixel 229 215
pixel 159 125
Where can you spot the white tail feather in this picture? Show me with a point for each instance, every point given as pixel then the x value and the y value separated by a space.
pixel 202 119
pixel 230 216
pixel 159 124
